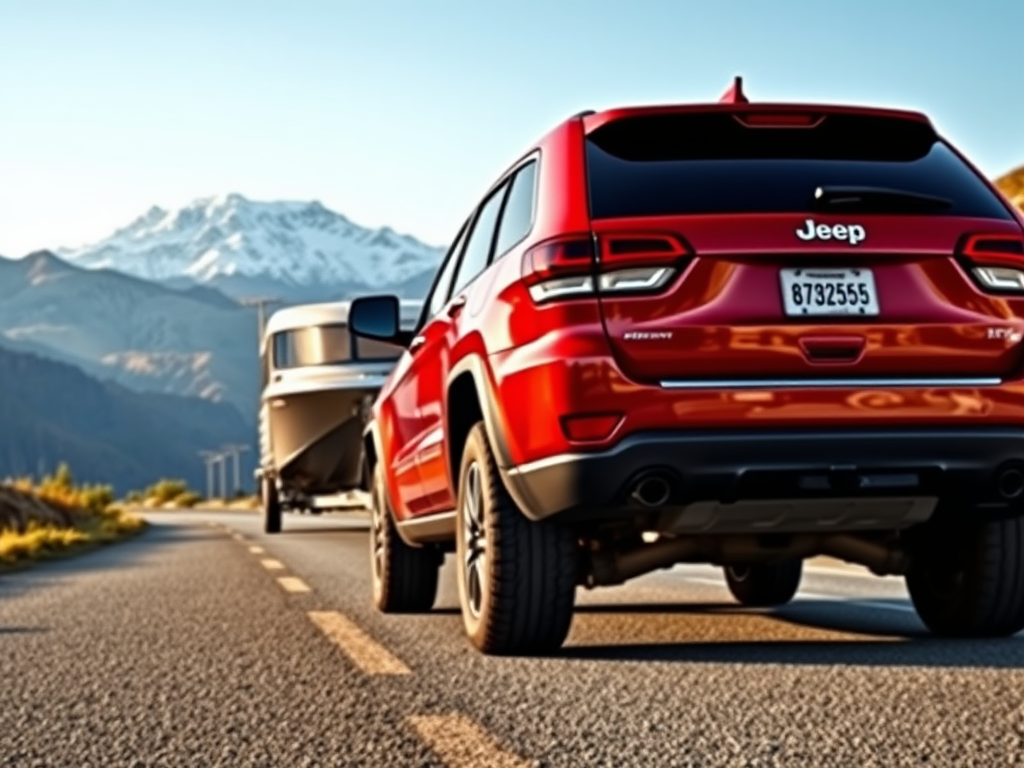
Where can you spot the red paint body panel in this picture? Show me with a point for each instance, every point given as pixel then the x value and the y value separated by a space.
pixel 536 379
pixel 595 121
pixel 725 319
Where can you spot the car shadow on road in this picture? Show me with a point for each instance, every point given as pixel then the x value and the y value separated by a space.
pixel 354 528
pixel 809 632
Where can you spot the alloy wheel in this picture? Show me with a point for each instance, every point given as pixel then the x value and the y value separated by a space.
pixel 377 535
pixel 475 540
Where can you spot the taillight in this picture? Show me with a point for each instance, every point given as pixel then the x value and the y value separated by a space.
pixel 995 261
pixel 639 263
pixel 1001 278
pixel 638 279
pixel 779 120
pixel 979 246
pixel 625 264
pixel 560 268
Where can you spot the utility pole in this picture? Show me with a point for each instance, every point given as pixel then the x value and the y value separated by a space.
pixel 210 457
pixel 234 450
pixel 260 302
pixel 222 458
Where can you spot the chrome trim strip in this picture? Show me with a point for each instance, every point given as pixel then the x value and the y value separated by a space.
pixel 551 461
pixel 842 383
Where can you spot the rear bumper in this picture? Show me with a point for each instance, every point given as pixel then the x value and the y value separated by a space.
pixel 782 481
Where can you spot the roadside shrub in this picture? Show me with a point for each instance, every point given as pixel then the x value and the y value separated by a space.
pixel 60 489
pixel 188 499
pixel 166 490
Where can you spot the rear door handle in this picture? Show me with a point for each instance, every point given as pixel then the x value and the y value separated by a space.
pixel 416 343
pixel 456 305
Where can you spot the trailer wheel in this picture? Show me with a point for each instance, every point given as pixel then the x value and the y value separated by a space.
pixel 271 506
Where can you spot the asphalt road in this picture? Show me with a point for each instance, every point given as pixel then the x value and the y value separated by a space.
pixel 206 643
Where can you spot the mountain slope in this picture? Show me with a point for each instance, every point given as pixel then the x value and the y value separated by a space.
pixel 52 412
pixel 139 334
pixel 1012 185
pixel 294 251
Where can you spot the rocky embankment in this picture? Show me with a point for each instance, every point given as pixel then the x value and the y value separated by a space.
pixel 19 509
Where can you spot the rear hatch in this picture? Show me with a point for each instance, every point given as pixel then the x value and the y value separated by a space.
pixel 799 244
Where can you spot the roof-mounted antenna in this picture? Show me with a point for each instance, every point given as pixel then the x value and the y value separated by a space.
pixel 735 93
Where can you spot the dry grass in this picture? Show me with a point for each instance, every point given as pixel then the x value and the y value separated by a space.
pixel 37 540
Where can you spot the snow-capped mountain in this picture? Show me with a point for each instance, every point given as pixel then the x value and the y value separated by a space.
pixel 300 251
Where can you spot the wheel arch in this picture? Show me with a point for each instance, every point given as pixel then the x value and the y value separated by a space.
pixel 469 397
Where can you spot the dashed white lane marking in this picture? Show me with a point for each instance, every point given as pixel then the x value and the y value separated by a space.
pixel 820 596
pixel 461 743
pixel 272 565
pixel 256 550
pixel 365 652
pixel 293 584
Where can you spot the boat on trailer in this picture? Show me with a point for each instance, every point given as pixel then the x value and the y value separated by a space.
pixel 319 381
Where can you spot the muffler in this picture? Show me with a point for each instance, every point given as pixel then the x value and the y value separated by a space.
pixel 1010 483
pixel 651 490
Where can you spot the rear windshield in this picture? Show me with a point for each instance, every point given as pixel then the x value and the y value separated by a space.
pixel 655 165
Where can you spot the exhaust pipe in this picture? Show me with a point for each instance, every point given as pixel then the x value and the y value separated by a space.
pixel 617 567
pixel 880 559
pixel 651 491
pixel 1010 483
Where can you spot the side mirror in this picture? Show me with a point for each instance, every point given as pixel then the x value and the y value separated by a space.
pixel 377 317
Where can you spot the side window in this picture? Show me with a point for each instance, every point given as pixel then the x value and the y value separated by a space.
pixel 282 350
pixel 439 296
pixel 478 247
pixel 313 345
pixel 518 216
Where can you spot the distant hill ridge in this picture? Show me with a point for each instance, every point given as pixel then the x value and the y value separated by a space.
pixel 140 334
pixel 52 412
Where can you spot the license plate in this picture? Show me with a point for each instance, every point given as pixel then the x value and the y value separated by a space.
pixel 829 292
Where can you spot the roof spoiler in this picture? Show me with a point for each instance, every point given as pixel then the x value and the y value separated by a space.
pixel 735 93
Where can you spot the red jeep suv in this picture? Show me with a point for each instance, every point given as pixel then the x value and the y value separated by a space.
pixel 732 333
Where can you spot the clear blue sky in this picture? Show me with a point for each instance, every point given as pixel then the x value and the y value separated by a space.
pixel 401 113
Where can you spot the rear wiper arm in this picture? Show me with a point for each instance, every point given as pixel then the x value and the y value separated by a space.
pixel 878 198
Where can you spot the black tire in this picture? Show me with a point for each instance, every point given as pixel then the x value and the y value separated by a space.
pixel 518 598
pixel 404 577
pixel 765 584
pixel 271 506
pixel 970 583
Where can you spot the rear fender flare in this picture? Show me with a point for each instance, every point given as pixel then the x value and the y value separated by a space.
pixel 477 368
pixel 488 406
